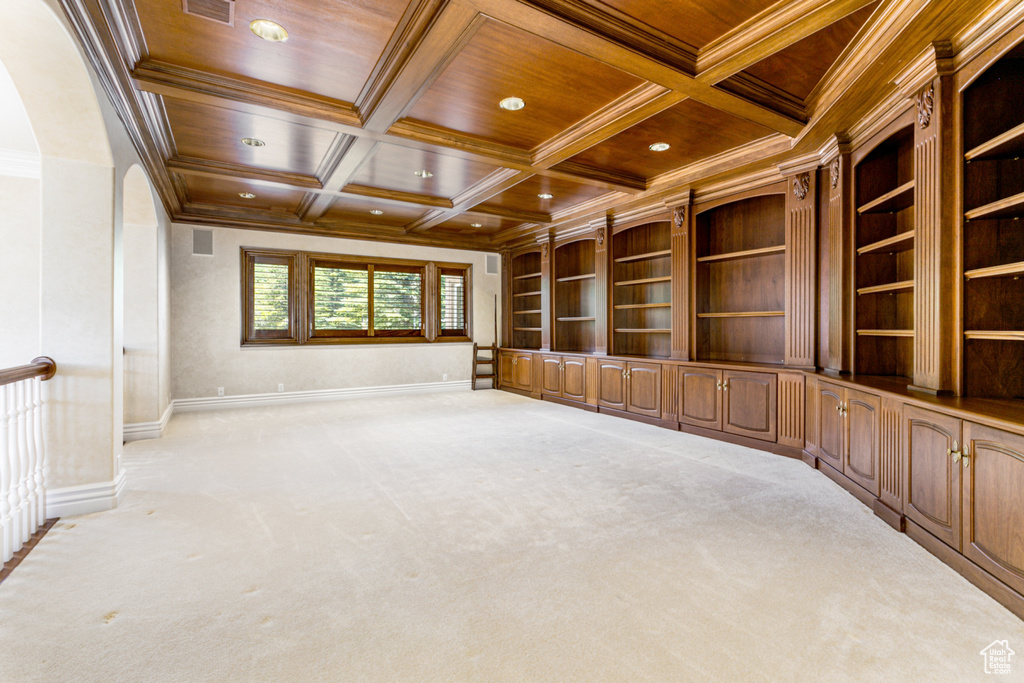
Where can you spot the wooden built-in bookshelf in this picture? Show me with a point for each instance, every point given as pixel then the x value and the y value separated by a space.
pixel 993 234
pixel 884 260
pixel 740 267
pixel 526 301
pixel 642 291
pixel 575 296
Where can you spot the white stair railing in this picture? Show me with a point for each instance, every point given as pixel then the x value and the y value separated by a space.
pixel 22 456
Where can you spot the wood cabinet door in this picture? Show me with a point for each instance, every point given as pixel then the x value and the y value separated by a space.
pixel 506 376
pixel 611 384
pixel 932 479
pixel 524 371
pixel 860 457
pixel 993 502
pixel 750 404
pixel 831 426
pixel 551 375
pixel 643 392
pixel 700 397
pixel 574 378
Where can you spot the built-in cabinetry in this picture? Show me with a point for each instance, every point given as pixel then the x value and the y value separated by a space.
pixel 884 258
pixel 563 376
pixel 733 401
pixel 848 433
pixel 629 386
pixel 515 370
pixel 739 280
pixel 642 291
pixel 993 238
pixel 575 296
pixel 526 300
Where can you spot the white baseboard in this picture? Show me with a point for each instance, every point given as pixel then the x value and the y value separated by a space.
pixel 217 402
pixel 137 431
pixel 81 500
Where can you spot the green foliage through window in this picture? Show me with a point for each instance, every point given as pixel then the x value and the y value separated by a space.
pixel 397 301
pixel 270 296
pixel 340 299
pixel 453 302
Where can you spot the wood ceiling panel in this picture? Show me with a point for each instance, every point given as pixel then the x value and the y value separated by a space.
pixel 693 131
pixel 501 61
pixel 694 22
pixel 225 192
pixel 206 132
pixel 357 210
pixel 799 67
pixel 464 225
pixel 523 197
pixel 393 168
pixel 331 49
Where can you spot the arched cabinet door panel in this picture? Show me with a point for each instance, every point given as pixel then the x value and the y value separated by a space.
pixel 574 378
pixel 993 502
pixel 644 388
pixel 551 375
pixel 861 455
pixel 750 401
pixel 831 425
pixel 700 397
pixel 523 371
pixel 611 384
pixel 932 495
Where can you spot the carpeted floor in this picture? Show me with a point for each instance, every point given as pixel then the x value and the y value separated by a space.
pixel 483 537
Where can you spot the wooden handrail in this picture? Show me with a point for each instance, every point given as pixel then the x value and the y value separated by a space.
pixel 41 367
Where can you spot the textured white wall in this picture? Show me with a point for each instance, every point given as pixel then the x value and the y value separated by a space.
pixel 206 324
pixel 19 270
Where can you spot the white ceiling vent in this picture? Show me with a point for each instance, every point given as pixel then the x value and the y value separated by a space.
pixel 202 242
pixel 492 264
pixel 221 11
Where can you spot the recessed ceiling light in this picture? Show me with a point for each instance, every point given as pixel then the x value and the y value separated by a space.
pixel 247 195
pixel 253 142
pixel 659 147
pixel 268 30
pixel 512 104
pixel 424 174
pixel 545 195
pixel 376 212
pixel 476 225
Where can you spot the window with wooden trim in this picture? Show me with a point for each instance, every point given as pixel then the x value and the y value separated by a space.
pixel 270 285
pixel 298 297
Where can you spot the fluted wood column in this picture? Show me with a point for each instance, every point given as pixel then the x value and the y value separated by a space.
pixel 506 301
pixel 602 234
pixel 682 289
pixel 801 269
pixel 546 322
pixel 840 247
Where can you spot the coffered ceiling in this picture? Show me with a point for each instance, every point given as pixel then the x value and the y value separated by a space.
pixel 380 119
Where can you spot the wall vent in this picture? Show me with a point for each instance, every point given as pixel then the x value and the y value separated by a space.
pixel 221 11
pixel 492 264
pixel 202 242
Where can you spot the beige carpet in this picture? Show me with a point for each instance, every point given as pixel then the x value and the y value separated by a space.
pixel 483 537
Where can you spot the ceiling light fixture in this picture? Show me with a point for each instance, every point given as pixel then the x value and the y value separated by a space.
pixel 247 195
pixel 512 104
pixel 659 147
pixel 476 225
pixel 253 142
pixel 545 195
pixel 268 30
pixel 423 174
pixel 376 212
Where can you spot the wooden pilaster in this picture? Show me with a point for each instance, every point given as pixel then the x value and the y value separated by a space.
pixel 602 284
pixel 682 249
pixel 801 267
pixel 546 321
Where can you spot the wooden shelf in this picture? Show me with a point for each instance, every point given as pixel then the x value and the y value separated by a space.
pixel 644 257
pixel 527 329
pixel 996 335
pixel 1009 270
pixel 528 275
pixel 885 333
pixel 1009 207
pixel 530 311
pixel 904 286
pixel 1004 146
pixel 630 306
pixel 890 202
pixel 747 253
pixel 642 330
pixel 528 294
pixel 575 320
pixel 901 242
pixel 587 276
pixel 644 281
pixel 743 314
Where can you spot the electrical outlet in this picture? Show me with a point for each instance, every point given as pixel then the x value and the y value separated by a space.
pixel 220 391
pixel 444 377
pixel 280 388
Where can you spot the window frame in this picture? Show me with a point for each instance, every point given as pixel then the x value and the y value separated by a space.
pixel 302 299
pixel 250 335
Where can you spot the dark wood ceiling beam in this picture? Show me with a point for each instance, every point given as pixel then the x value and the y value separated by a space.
pixel 757 90
pixel 768 32
pixel 510 214
pixel 354 156
pixel 219 169
pixel 492 185
pixel 634 59
pixel 397 196
pixel 609 180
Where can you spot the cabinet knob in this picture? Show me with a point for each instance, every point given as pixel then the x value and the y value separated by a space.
pixel 966 457
pixel 955 452
pixel 725 385
pixel 718 385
